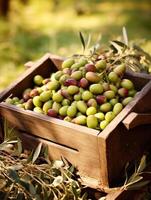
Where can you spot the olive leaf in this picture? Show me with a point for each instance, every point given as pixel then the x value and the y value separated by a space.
pixel 10 138
pixel 88 41
pixel 32 189
pixel 37 152
pixel 19 147
pixel 137 185
pixel 125 37
pixel 58 164
pixel 138 48
pixel 24 184
pixel 116 47
pixel 72 169
pixel 126 174
pixel 30 157
pixel 136 180
pixel 46 154
pixel 82 40
pixel 13 175
pixel 20 196
pixel 84 196
pixel 142 164
pixel 57 181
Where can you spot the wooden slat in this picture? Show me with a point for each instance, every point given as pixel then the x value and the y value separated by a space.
pixel 74 136
pixel 123 195
pixel 1 131
pixel 136 119
pixel 123 146
pixel 57 60
pixel 116 195
pixel 48 127
pixel 82 159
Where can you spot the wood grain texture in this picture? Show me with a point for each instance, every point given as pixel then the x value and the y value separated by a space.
pixel 1 131
pixel 135 119
pixel 124 195
pixel 84 159
pixel 116 195
pixel 57 60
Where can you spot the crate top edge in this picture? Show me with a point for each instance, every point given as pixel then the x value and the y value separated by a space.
pixel 139 75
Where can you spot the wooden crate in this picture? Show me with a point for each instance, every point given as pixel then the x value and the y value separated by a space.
pixel 99 156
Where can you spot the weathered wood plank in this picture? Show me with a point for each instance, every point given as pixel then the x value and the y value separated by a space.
pixel 135 119
pixel 84 159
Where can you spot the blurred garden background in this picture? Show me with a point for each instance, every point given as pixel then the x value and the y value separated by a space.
pixel 30 28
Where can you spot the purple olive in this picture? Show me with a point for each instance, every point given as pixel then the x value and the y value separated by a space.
pixel 34 93
pixel 52 113
pixel 90 67
pixel 101 99
pixel 84 83
pixel 70 81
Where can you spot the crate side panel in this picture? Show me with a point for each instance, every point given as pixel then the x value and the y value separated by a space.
pixel 123 146
pixel 80 159
pixel 48 127
pixel 72 136
pixel 103 161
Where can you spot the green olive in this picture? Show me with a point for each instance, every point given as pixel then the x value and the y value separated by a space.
pixel 37 102
pixel 47 105
pixel 82 107
pixel 63 111
pixel 38 79
pixel 72 111
pixel 103 124
pixel 81 120
pixel 92 121
pixel 117 108
pixel 106 107
pixel 45 96
pixel 87 95
pixel 57 97
pixel 68 63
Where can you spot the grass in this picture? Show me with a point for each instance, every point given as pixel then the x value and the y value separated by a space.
pixel 36 28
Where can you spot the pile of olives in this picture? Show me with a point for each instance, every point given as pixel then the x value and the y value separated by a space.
pixel 83 92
